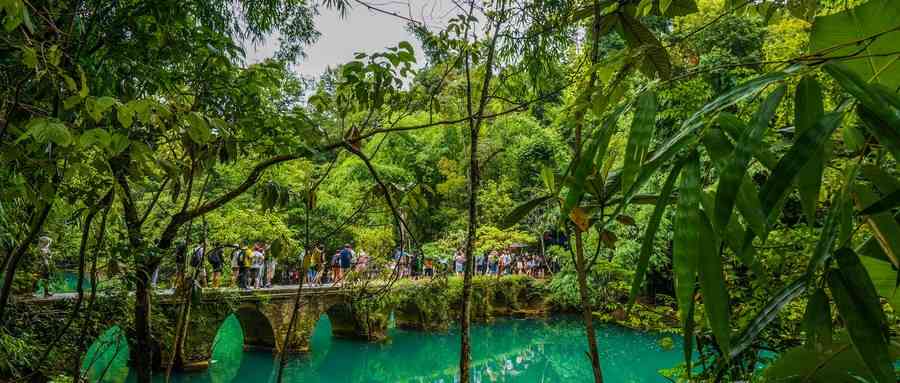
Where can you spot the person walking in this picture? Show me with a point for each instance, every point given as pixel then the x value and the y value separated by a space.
pixel 362 263
pixel 429 267
pixel 197 263
pixel 215 261
pixel 271 263
pixel 256 265
pixel 46 273
pixel 336 272
pixel 346 260
pixel 236 264
pixel 459 263
pixel 246 266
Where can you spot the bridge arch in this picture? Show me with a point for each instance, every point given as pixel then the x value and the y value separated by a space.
pixel 258 329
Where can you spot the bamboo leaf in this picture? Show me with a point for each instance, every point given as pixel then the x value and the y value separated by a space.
pixel 817 321
pixel 858 305
pixel 639 137
pixel 734 127
pixel 687 234
pixel 637 36
pixel 586 159
pixel 885 134
pixel 877 110
pixel 719 148
pixel 736 170
pixel 885 183
pixel 808 109
pixel 650 232
pixel 827 237
pixel 522 210
pixel 884 227
pixel 712 285
pixel 687 133
pixel 767 314
pixel 883 205
pixel 808 144
pixel 733 236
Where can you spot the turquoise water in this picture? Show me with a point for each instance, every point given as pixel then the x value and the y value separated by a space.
pixel 508 350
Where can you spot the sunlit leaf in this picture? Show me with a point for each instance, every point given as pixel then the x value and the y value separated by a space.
pixel 687 234
pixel 736 169
pixel 870 29
pixel 639 138
pixel 859 306
pixel 712 286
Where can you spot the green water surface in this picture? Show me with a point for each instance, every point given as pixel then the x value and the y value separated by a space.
pixel 508 350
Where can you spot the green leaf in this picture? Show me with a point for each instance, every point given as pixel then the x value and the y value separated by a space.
pixel 734 127
pixel 687 234
pixel 96 136
pixel 650 232
pixel 884 278
pixel 29 57
pixel 71 101
pixel 44 130
pixel 817 321
pixel 97 107
pixel 869 30
pixel 885 204
pixel 878 109
pixel 807 146
pixel 719 149
pixel 803 9
pixel 733 235
pixel 712 286
pixel 736 170
pixel 125 115
pixel 854 140
pixel 197 128
pixel 827 237
pixel 117 144
pixel 884 227
pixel 585 163
pixel 808 109
pixel 664 5
pixel 838 363
pixel 859 306
pixel 656 61
pixel 885 134
pixel 639 138
pixel 672 8
pixel 768 314
pixel 687 132
pixel 885 183
pixel 549 179
pixel 521 211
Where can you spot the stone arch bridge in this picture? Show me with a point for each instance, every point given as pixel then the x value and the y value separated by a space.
pixel 264 314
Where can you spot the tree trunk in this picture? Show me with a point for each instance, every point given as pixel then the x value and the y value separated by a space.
pixel 12 262
pixel 143 361
pixel 587 312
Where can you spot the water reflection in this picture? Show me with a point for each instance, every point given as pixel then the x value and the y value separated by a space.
pixel 508 350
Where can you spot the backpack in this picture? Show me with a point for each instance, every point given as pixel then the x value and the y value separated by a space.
pixel 197 257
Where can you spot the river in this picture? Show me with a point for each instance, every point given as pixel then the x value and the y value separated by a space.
pixel 507 350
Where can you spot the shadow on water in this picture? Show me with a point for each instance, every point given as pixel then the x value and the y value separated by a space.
pixel 508 350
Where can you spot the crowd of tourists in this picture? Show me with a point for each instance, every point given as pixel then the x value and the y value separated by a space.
pixel 505 262
pixel 253 266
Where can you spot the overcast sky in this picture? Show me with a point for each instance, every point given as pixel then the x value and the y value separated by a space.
pixel 361 31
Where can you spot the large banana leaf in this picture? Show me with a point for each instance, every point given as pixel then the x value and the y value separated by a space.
pixel 870 30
